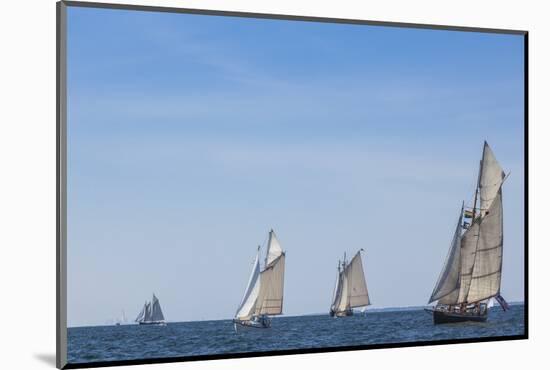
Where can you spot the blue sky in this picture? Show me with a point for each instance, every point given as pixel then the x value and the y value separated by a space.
pixel 190 136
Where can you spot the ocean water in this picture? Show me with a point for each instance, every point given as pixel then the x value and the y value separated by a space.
pixel 129 342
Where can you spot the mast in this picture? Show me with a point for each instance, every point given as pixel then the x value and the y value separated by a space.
pixel 477 187
pixel 337 296
pixel 345 285
pixel 475 196
pixel 335 289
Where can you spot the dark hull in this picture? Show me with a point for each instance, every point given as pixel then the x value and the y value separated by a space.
pixel 253 324
pixel 341 313
pixel 442 317
pixel 158 323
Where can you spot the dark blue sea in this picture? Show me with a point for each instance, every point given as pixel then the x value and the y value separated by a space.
pixel 127 342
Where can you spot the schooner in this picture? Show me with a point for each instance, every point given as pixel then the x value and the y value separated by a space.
pixel 350 290
pixel 151 313
pixel 472 272
pixel 264 292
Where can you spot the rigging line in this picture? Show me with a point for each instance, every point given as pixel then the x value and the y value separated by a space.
pixel 265 240
pixel 490 248
pixel 485 275
pixel 262 247
pixel 482 299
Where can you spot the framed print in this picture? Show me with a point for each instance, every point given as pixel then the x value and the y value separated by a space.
pixel 236 184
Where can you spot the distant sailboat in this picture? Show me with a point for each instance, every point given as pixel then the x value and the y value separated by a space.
pixel 264 292
pixel 151 313
pixel 350 290
pixel 122 319
pixel 472 272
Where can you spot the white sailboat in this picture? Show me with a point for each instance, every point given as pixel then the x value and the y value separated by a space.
pixel 350 290
pixel 151 313
pixel 122 319
pixel 263 295
pixel 472 272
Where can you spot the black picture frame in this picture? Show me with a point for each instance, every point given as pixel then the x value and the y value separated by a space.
pixel 61 186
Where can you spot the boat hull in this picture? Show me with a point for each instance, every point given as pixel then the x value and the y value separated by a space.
pixel 341 313
pixel 157 323
pixel 442 317
pixel 254 324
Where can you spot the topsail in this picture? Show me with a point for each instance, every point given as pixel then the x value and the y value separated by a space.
pixel 472 272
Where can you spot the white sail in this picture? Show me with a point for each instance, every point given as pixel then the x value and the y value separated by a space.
pixel 147 315
pixel 156 311
pixel 357 289
pixel 141 314
pixel 274 249
pixel 344 293
pixel 485 242
pixel 447 287
pixel 336 292
pixel 490 178
pixel 248 303
pixel 479 258
pixel 486 273
pixel 264 291
pixel 270 296
pixel 467 257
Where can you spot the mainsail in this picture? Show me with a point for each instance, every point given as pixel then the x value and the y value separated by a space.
pixel 472 271
pixel 156 311
pixel 351 288
pixel 486 273
pixel 147 317
pixel 343 297
pixel 270 297
pixel 264 291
